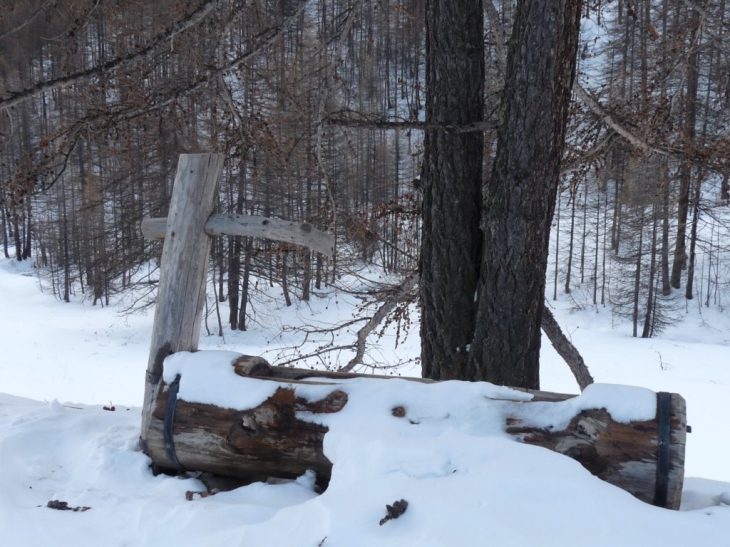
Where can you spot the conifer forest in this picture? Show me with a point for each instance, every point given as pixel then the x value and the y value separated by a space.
pixel 318 107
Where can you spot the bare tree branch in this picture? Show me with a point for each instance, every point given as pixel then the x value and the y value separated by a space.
pixel 13 98
pixel 28 20
pixel 560 342
pixel 365 122
pixel 117 113
pixel 400 293
pixel 606 118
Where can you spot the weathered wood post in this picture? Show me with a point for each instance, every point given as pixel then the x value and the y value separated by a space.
pixel 645 458
pixel 183 268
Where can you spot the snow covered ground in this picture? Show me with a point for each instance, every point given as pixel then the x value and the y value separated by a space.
pixel 466 483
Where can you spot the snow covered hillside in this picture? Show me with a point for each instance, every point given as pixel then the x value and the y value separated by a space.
pixel 61 363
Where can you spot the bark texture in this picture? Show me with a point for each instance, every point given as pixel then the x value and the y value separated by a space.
pixel 519 198
pixel 452 184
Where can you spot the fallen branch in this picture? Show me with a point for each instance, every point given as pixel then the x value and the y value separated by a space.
pixel 63 506
pixel 560 342
pixel 565 349
pixel 388 306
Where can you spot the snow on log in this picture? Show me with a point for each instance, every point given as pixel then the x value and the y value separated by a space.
pixel 218 224
pixel 271 422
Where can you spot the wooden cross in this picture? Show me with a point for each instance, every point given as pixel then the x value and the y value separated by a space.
pixel 184 265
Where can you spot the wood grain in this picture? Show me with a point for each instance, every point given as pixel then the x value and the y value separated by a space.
pixel 219 224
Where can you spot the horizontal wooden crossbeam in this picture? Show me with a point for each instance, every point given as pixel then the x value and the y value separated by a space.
pixel 218 224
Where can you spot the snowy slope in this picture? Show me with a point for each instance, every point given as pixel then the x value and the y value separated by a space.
pixel 466 485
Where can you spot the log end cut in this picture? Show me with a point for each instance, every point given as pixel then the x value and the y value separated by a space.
pixel 645 458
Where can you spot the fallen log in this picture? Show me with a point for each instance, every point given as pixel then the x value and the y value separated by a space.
pixel 280 436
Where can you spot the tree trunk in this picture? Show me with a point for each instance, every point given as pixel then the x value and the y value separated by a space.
pixel 16 240
pixel 679 262
pixel 285 276
pixel 685 173
pixel 596 247
pixel 689 290
pixel 557 251
pixel 617 212
pixel 452 185
pixel 520 194
pixel 583 237
pixel 219 250
pixel 27 240
pixel 603 255
pixel 666 287
pixel 234 273
pixel 245 287
pixel 4 222
pixel 651 298
pixel 637 278
pixel 306 274
pixel 234 258
pixel 65 246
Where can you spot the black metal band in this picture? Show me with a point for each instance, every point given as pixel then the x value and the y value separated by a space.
pixel 663 416
pixel 167 424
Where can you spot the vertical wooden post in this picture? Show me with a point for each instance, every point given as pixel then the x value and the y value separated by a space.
pixel 183 268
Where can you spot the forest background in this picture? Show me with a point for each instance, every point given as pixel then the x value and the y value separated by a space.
pixel 318 107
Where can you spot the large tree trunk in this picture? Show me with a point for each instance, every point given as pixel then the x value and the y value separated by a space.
pixel 452 185
pixel 519 198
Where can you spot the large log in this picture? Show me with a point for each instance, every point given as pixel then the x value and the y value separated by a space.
pixel 645 458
